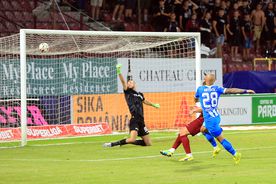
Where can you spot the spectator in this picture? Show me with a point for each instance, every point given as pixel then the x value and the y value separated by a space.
pixel 81 4
pixel 173 26
pixel 258 20
pixel 233 9
pixel 193 6
pixel 223 5
pixel 129 6
pixel 145 4
pixel 205 29
pixel 235 32
pixel 95 8
pixel 219 26
pixel 119 8
pixel 185 15
pixel 211 4
pixel 193 24
pixel 177 8
pixel 161 16
pixel 270 24
pixel 245 9
pixel 216 8
pixel 203 7
pixel 228 4
pixel 247 36
pixel 169 5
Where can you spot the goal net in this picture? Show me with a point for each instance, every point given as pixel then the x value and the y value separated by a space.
pixel 74 82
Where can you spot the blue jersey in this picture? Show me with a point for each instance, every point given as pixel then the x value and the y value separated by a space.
pixel 209 97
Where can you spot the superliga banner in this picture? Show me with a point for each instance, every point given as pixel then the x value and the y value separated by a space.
pixel 60 76
pixel 168 74
pixel 112 109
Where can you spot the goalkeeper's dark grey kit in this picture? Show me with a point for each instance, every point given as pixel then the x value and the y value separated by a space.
pixel 134 101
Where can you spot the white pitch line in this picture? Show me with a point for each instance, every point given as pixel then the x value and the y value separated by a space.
pixel 125 158
pixel 162 137
pixel 101 142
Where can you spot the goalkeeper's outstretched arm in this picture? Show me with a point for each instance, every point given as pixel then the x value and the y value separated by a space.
pixel 151 104
pixel 119 72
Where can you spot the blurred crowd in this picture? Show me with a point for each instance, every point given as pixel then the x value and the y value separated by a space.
pixel 246 25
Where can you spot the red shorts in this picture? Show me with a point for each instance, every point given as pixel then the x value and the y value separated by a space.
pixel 194 126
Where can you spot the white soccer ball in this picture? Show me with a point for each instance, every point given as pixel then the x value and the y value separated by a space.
pixel 44 47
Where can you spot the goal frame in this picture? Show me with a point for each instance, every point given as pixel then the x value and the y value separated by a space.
pixel 23 59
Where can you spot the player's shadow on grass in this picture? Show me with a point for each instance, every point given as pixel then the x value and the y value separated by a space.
pixel 193 166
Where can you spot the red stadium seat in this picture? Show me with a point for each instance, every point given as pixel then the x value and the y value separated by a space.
pixel 29 25
pixel 12 27
pixel 10 15
pixel 3 27
pixel 128 27
pixel 107 17
pixel 227 58
pixel 17 5
pixel 231 67
pixel 27 5
pixel 1 7
pixel 45 19
pixel 6 5
pixel 247 66
pixel 19 16
pixel 28 16
pixel 238 67
pixel 224 68
pixel 261 67
pixel 41 25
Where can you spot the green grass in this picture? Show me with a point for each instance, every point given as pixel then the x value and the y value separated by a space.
pixel 84 160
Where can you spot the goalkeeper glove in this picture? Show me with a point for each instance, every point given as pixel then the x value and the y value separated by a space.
pixel 156 105
pixel 118 68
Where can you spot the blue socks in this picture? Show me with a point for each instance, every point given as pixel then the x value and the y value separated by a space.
pixel 227 145
pixel 210 138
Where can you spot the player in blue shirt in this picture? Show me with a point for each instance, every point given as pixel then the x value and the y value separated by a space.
pixel 208 96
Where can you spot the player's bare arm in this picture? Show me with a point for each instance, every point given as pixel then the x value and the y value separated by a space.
pixel 215 28
pixel 195 109
pixel 119 72
pixel 239 91
pixel 151 104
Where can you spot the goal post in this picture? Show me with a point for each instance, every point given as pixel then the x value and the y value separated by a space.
pixel 23 86
pixel 75 82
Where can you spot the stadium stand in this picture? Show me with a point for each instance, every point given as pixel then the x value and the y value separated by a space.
pixel 16 14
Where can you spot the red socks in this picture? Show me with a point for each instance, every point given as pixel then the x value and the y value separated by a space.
pixel 186 143
pixel 177 142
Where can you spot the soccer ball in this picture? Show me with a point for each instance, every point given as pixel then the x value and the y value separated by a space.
pixel 43 47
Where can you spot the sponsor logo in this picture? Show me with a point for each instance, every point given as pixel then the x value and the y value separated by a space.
pixel 12 114
pixel 264 109
pixel 83 76
pixel 6 134
pixel 88 129
pixel 44 132
pixel 233 111
pixel 51 131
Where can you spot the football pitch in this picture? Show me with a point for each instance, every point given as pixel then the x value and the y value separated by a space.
pixel 84 160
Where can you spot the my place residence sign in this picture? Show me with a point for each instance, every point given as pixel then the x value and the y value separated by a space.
pixel 60 76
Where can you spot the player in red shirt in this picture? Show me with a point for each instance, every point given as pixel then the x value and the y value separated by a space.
pixel 191 128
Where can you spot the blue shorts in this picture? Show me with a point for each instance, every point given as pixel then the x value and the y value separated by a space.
pixel 247 43
pixel 220 40
pixel 212 125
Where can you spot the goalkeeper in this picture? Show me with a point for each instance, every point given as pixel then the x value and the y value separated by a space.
pixel 135 101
